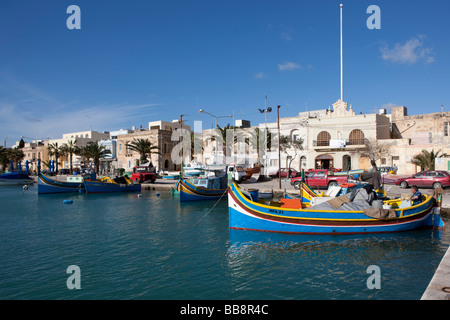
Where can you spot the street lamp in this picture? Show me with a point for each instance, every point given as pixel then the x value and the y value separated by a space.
pixel 217 118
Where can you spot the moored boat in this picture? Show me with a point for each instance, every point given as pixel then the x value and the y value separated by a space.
pixel 171 175
pixel 211 188
pixel 48 185
pixel 330 218
pixel 118 184
pixel 251 171
pixel 15 179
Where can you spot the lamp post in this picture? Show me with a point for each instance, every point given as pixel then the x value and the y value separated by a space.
pixel 265 111
pixel 217 118
pixel 279 156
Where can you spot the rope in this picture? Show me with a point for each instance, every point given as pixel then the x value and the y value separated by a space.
pixel 211 207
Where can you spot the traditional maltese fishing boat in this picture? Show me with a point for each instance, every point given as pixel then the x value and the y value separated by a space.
pixel 211 188
pixel 15 178
pixel 339 215
pixel 47 185
pixel 118 184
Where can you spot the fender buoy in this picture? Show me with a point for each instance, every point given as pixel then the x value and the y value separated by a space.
pixel 347 185
pixel 68 201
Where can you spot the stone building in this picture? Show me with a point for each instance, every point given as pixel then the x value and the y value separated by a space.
pixel 414 133
pixel 160 134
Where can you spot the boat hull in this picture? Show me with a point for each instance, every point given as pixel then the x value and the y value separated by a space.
pixel 190 192
pixel 15 179
pixel 18 182
pixel 249 215
pixel 47 185
pixel 107 187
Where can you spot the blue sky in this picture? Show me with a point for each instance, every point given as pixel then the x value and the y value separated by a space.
pixel 138 61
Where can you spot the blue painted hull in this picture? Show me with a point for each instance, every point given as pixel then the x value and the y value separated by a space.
pixel 107 187
pixel 248 215
pixel 190 192
pixel 47 185
pixel 15 179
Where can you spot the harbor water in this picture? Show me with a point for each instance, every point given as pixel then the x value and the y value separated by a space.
pixel 152 246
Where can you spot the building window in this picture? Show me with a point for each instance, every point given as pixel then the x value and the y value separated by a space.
pixel 356 137
pixel 323 139
pixel 446 129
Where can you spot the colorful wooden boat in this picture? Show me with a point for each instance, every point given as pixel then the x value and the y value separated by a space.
pixel 15 179
pixel 47 185
pixel 251 171
pixel 171 175
pixel 212 188
pixel 250 215
pixel 119 184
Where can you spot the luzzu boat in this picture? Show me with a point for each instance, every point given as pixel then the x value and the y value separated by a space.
pixel 247 214
pixel 47 185
pixel 15 179
pixel 308 197
pixel 107 185
pixel 211 188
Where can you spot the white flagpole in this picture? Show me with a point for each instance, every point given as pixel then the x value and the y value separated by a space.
pixel 342 64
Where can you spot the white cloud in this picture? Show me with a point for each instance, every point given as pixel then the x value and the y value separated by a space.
pixel 410 52
pixel 286 36
pixel 260 75
pixel 44 116
pixel 288 66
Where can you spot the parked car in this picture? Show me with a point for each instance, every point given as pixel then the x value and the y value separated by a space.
pixel 142 174
pixel 434 179
pixel 237 173
pixel 285 173
pixel 321 178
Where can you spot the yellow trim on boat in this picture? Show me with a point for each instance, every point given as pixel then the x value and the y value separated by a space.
pixel 331 219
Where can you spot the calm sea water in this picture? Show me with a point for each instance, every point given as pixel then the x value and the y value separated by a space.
pixel 153 247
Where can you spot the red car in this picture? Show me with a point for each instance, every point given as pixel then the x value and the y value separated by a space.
pixel 284 173
pixel 143 173
pixel 434 179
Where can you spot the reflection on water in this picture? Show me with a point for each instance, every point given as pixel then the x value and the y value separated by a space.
pixel 334 266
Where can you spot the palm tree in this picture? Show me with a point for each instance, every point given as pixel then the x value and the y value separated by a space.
pixel 56 151
pixel 15 155
pixel 95 151
pixel 3 157
pixel 70 148
pixel 144 147
pixel 426 159
pixel 222 138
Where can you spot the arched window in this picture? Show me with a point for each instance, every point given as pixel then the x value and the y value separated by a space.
pixel 356 137
pixel 323 139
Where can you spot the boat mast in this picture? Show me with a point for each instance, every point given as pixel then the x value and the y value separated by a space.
pixel 342 64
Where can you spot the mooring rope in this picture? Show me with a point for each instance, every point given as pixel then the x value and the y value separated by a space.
pixel 211 207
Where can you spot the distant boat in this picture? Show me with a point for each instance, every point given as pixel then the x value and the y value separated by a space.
pixel 119 184
pixel 251 171
pixel 211 188
pixel 15 179
pixel 332 217
pixel 171 175
pixel 47 185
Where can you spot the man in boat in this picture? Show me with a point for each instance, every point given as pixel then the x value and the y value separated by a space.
pixel 416 197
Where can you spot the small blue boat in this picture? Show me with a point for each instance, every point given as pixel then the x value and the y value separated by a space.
pixel 331 218
pixel 211 188
pixel 118 184
pixel 15 179
pixel 47 185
